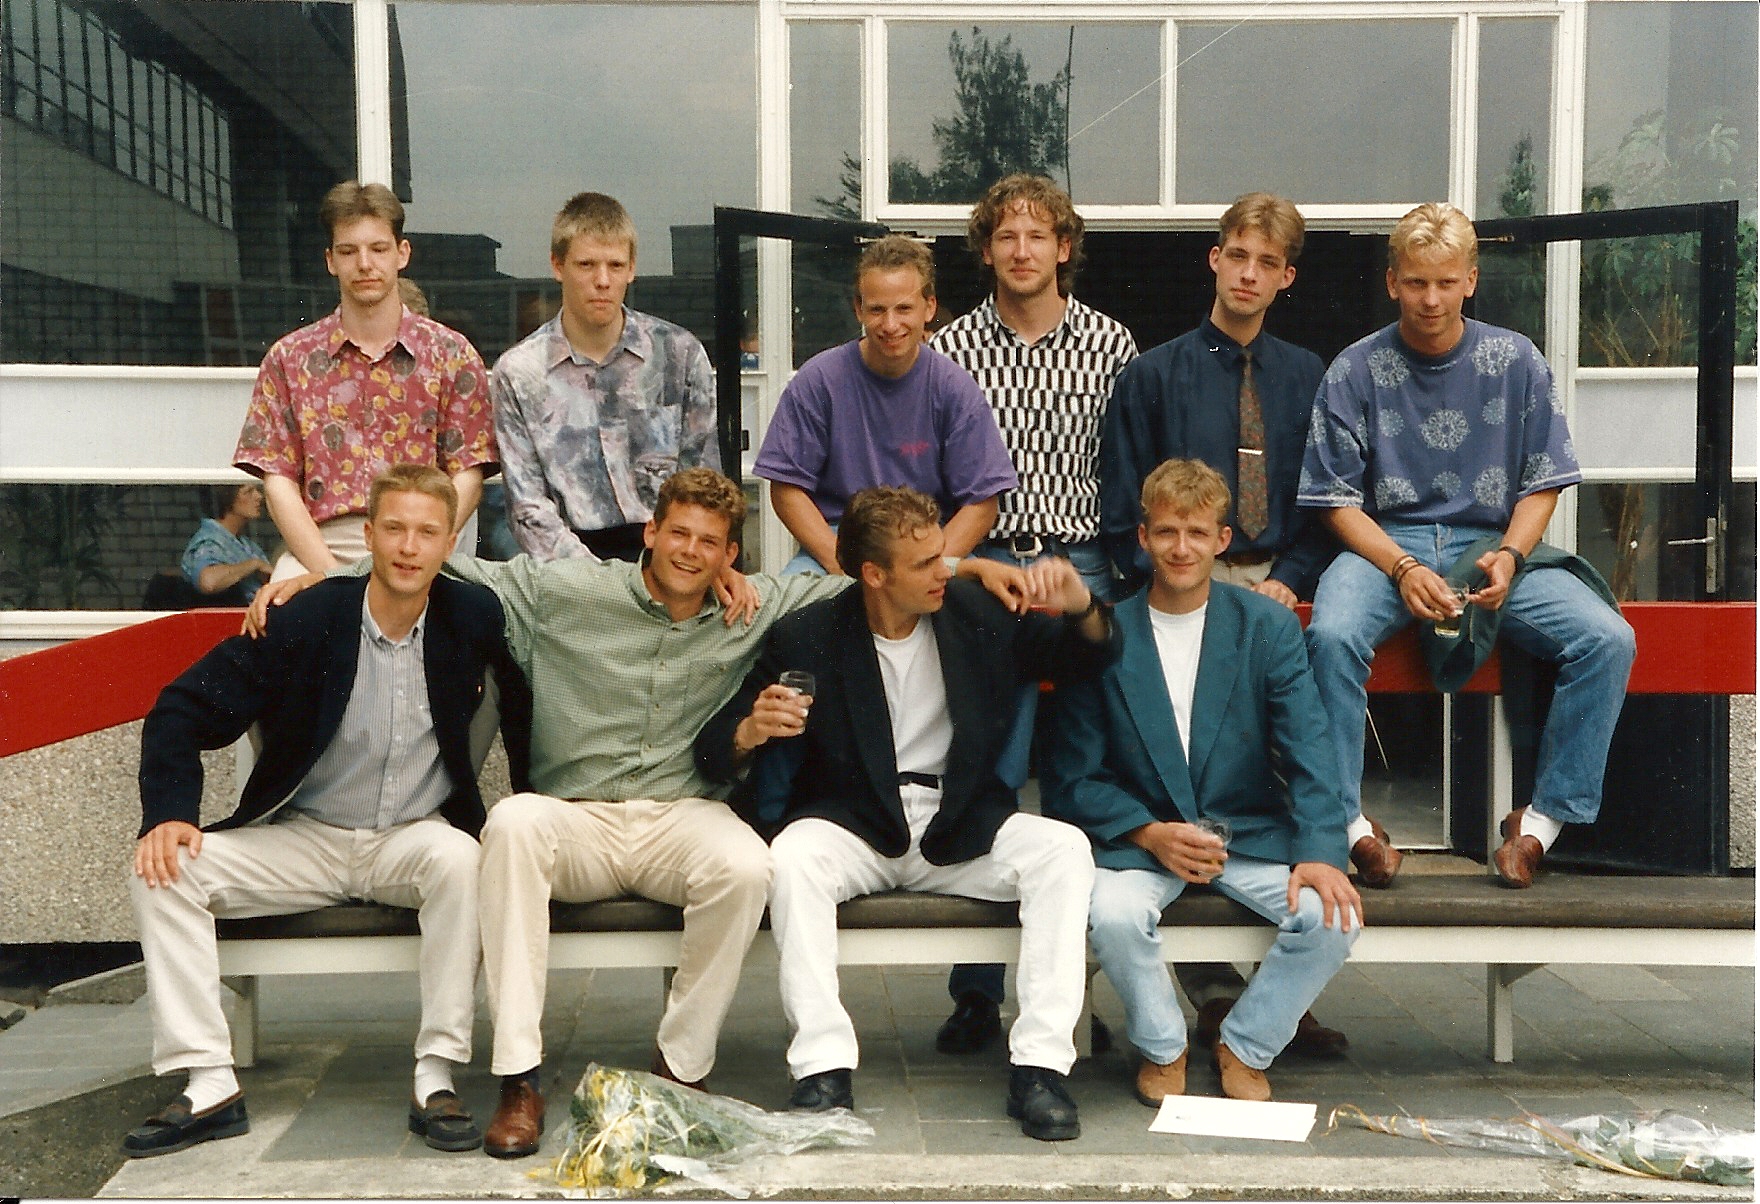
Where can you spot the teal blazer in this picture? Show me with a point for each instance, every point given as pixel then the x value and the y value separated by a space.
pixel 1260 756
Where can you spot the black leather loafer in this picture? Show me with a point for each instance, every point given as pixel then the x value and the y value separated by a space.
pixel 976 1023
pixel 444 1124
pixel 177 1128
pixel 822 1092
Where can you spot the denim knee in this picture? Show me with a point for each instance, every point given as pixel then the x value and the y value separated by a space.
pixel 1307 927
pixel 1120 916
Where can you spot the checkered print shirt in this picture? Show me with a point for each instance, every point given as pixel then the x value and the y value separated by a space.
pixel 1048 398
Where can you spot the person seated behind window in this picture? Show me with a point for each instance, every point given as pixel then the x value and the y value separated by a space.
pixel 220 558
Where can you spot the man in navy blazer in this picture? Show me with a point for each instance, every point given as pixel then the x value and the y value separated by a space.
pixel 891 782
pixel 363 690
pixel 1210 714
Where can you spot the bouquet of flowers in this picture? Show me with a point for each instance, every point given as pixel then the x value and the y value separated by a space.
pixel 629 1130
pixel 1654 1145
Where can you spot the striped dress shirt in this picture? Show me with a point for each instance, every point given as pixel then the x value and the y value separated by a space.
pixel 1049 398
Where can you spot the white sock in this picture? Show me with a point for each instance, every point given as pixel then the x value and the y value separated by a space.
pixel 208 1085
pixel 433 1073
pixel 1359 828
pixel 1542 828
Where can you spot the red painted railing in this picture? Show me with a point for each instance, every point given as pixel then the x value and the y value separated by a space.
pixel 91 684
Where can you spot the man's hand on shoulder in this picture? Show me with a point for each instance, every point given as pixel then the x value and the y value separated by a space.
pixel 1007 582
pixel 1337 896
pixel 256 616
pixel 155 854
pixel 738 595
pixel 1277 591
pixel 1186 850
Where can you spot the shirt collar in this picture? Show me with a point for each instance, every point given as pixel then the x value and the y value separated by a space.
pixel 370 626
pixel 1065 328
pixel 637 339
pixel 1226 347
pixel 410 333
pixel 638 591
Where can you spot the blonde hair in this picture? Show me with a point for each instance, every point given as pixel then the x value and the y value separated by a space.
pixel 896 251
pixel 1434 230
pixel 1186 487
pixel 414 478
pixel 877 517
pixel 595 215
pixel 1273 216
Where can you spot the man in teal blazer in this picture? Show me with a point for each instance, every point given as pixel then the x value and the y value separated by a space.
pixel 1209 714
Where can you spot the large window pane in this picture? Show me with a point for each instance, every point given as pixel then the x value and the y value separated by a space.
pixel 512 109
pixel 1670 118
pixel 116 245
pixel 1321 111
pixel 1515 117
pixel 825 117
pixel 968 104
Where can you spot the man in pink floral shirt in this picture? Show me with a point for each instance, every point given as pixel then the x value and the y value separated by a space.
pixel 371 385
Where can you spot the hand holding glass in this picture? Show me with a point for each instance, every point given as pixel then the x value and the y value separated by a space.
pixel 798 680
pixel 1450 627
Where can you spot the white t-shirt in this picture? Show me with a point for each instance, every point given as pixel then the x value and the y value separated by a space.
pixel 1178 639
pixel 916 700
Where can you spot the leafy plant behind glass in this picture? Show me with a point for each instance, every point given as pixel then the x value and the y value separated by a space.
pixel 52 542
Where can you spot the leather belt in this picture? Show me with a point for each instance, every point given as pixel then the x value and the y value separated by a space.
pixel 932 781
pixel 1242 560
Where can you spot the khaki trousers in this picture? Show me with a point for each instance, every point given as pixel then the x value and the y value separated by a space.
pixel 300 865
pixel 344 535
pixel 1244 575
pixel 693 853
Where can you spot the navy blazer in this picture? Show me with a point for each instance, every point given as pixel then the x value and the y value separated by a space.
pixel 1182 400
pixel 844 767
pixel 295 683
pixel 1115 763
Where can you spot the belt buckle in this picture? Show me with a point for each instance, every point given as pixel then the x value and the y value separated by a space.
pixel 1025 547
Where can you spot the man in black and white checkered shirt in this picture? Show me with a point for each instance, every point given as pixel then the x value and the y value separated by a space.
pixel 1047 364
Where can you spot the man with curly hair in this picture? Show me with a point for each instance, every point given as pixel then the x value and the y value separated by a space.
pixel 1436 454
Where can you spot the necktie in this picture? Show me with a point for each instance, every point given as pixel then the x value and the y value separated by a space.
pixel 1252 507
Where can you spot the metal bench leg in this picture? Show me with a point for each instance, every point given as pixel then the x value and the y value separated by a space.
pixel 245 1027
pixel 1503 786
pixel 666 974
pixel 1500 1019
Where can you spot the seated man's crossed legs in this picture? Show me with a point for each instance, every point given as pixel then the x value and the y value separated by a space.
pixel 298 865
pixel 693 853
pixel 1124 923
pixel 1043 863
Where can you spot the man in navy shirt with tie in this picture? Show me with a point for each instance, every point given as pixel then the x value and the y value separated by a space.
pixel 1238 399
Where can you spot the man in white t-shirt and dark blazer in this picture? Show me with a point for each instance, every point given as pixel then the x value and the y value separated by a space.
pixel 1210 713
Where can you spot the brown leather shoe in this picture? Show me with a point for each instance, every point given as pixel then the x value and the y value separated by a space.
pixel 1518 856
pixel 661 1070
pixel 1376 859
pixel 1315 1040
pixel 1240 1081
pixel 518 1121
pixel 1156 1082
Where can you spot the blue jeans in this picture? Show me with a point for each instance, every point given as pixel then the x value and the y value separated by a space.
pixel 1090 560
pixel 1124 925
pixel 1549 614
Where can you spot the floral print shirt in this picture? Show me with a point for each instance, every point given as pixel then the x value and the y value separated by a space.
pixel 1457 438
pixel 331 419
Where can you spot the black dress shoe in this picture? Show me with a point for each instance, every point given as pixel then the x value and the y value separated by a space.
pixel 822 1092
pixel 975 1023
pixel 177 1128
pixel 1040 1100
pixel 444 1124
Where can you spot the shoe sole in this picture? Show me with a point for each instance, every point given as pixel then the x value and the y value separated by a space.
pixel 236 1129
pixel 517 1152
pixel 1146 1101
pixel 1067 1132
pixel 453 1146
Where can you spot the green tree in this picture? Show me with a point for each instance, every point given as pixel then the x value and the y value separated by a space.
pixel 1003 122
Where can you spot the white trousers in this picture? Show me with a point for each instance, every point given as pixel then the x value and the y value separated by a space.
pixel 1044 863
pixel 300 864
pixel 693 853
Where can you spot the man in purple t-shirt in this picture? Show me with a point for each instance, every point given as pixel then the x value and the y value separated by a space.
pixel 884 410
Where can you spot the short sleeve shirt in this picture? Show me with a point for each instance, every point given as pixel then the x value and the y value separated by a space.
pixel 1457 438
pixel 213 544
pixel 326 416
pixel 840 428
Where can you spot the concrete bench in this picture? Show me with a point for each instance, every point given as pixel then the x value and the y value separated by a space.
pixel 1459 919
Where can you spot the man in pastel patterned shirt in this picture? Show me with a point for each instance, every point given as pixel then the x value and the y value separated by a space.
pixel 371 385
pixel 1437 452
pixel 601 404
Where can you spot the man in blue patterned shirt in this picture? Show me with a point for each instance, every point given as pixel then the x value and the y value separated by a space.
pixel 1433 436
pixel 601 404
